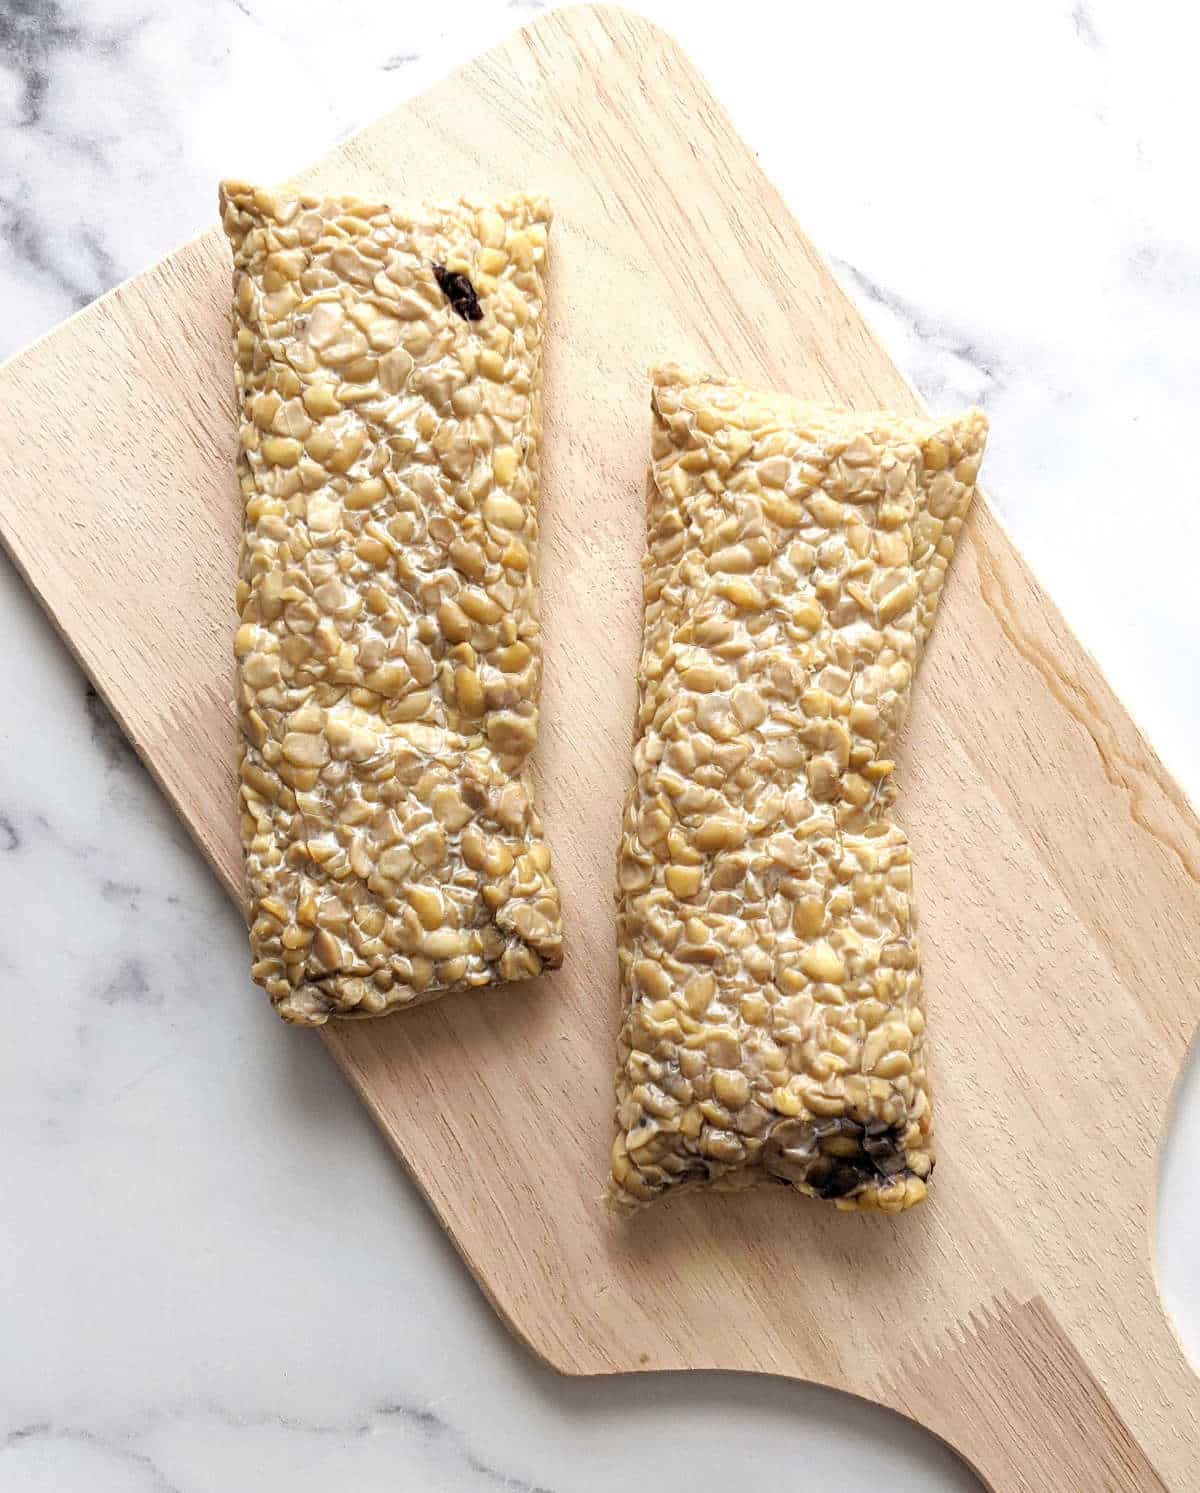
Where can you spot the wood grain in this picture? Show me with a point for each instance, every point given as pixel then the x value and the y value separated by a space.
pixel 1059 866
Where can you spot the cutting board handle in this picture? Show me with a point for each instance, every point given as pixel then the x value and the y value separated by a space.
pixel 1014 1397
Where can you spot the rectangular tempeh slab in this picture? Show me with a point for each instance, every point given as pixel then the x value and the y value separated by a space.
pixel 774 1023
pixel 389 657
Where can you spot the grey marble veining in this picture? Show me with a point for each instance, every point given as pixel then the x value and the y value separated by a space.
pixel 212 1273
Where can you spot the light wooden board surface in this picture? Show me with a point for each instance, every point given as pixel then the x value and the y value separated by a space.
pixel 1058 866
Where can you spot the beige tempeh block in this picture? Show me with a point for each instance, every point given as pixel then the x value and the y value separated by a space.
pixel 774 1020
pixel 389 655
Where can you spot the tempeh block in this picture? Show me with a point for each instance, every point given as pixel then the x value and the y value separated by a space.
pixel 774 1024
pixel 389 655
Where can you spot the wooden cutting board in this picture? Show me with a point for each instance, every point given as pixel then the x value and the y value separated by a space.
pixel 1016 1314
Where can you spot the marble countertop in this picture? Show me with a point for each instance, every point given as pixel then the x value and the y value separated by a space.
pixel 213 1276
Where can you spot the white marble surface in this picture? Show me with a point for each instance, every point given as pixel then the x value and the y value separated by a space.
pixel 212 1275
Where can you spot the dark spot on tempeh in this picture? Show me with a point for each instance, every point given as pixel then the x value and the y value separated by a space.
pixel 843 1179
pixel 459 291
pixel 803 1156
